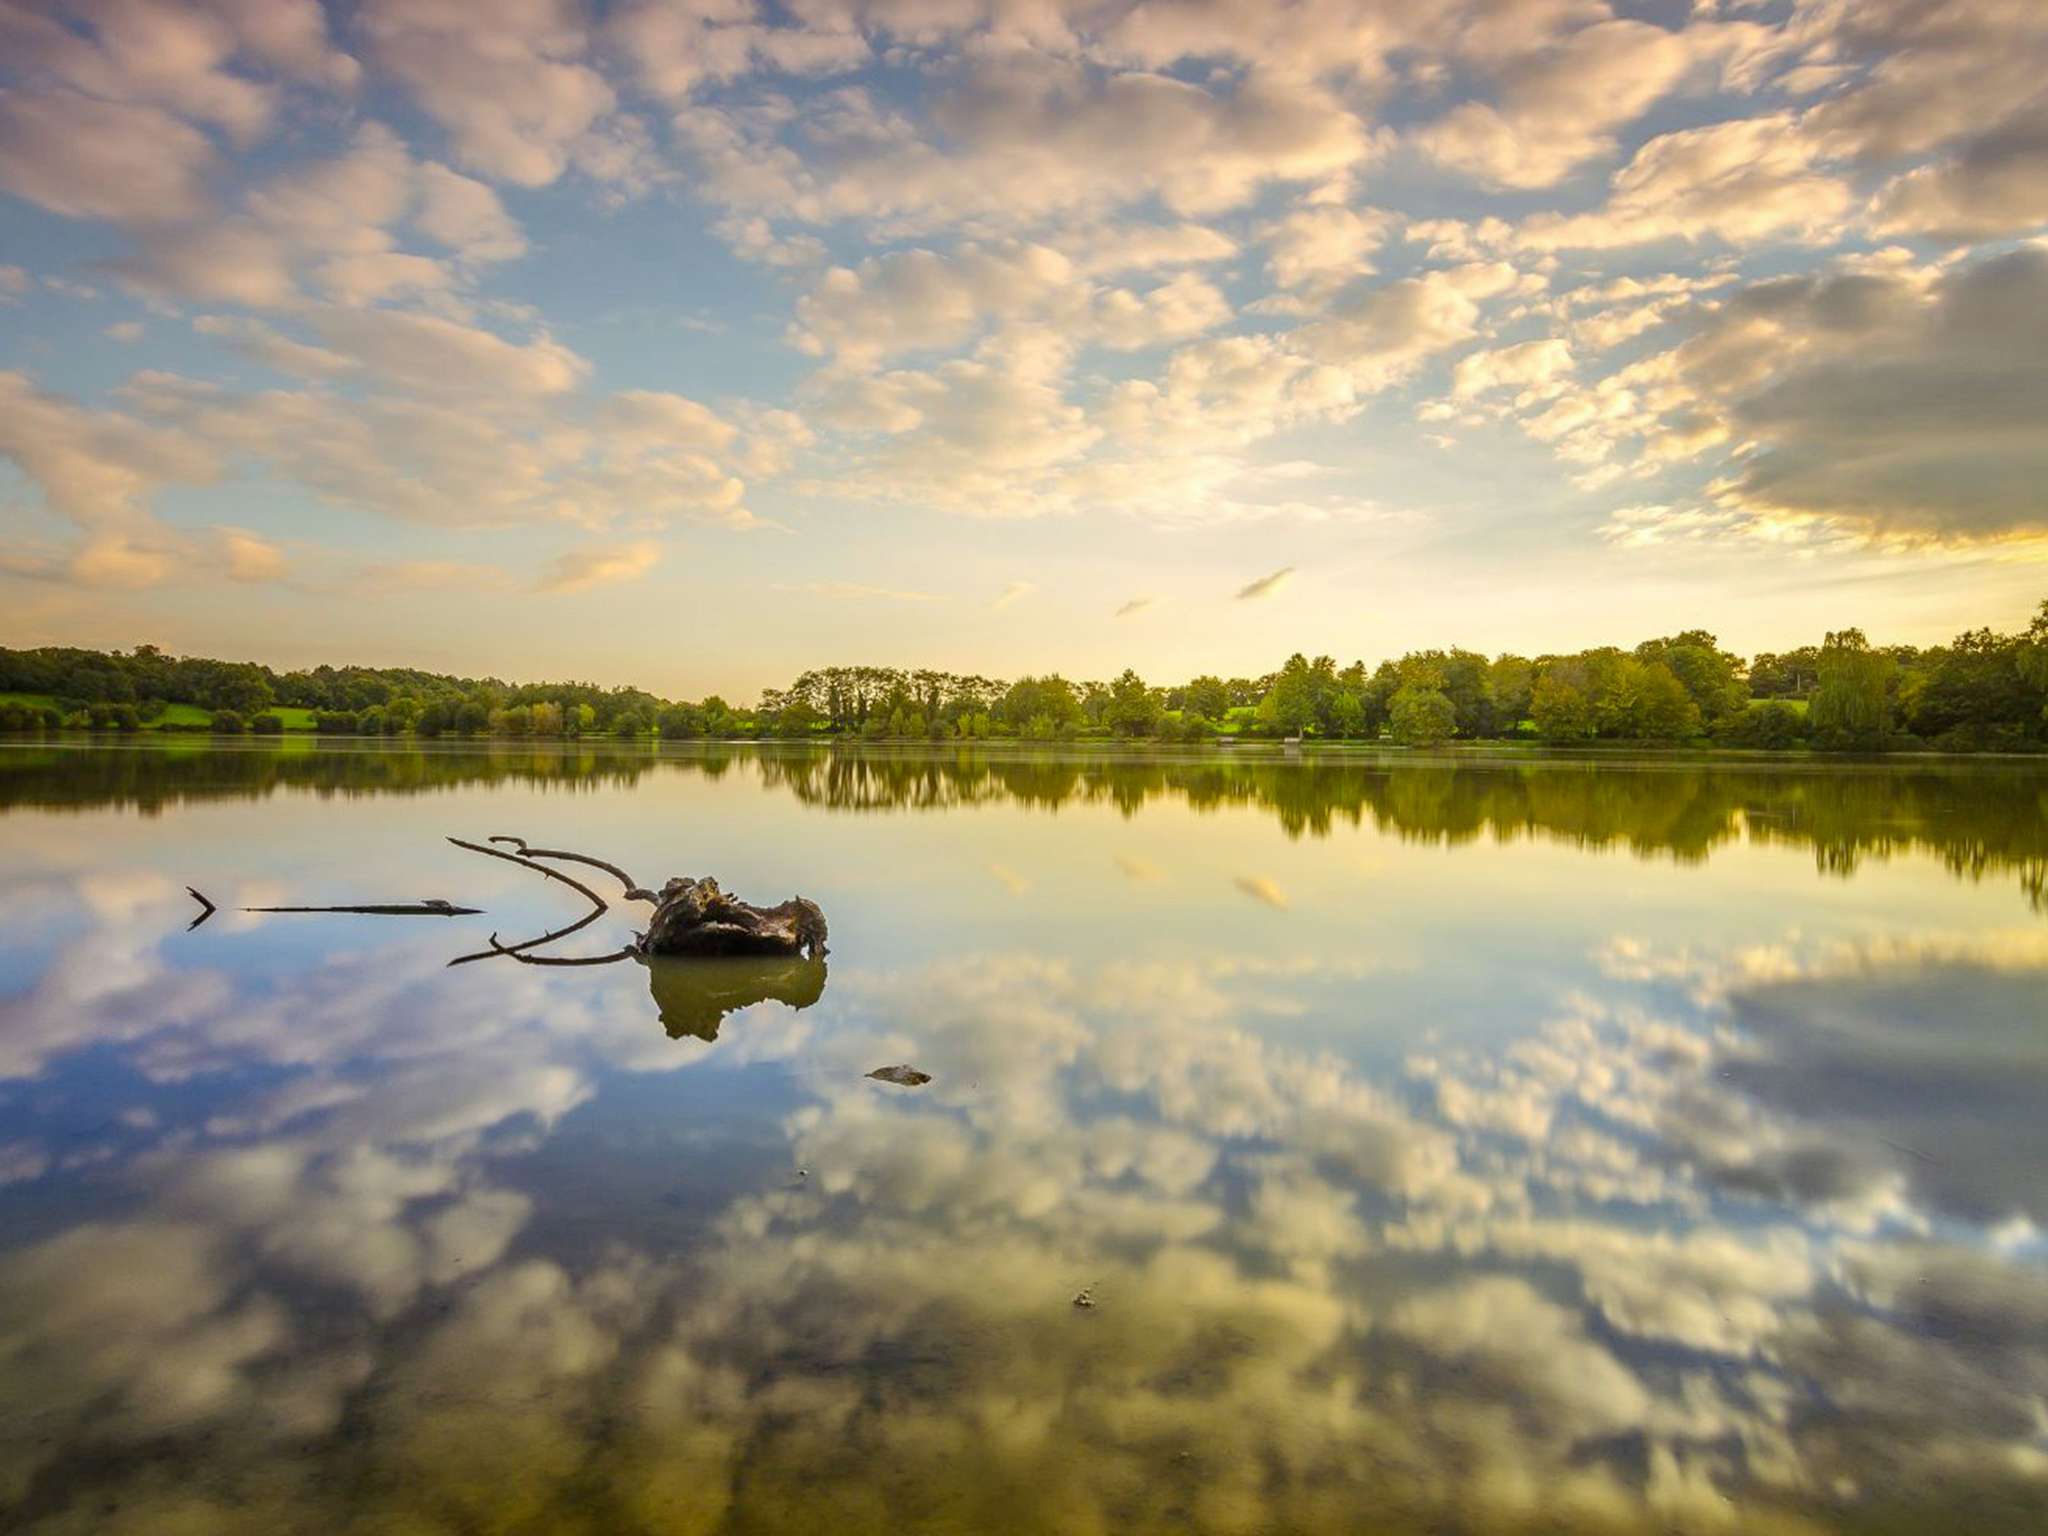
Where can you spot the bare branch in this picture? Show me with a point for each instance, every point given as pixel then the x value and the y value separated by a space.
pixel 432 907
pixel 203 916
pixel 598 905
pixel 634 890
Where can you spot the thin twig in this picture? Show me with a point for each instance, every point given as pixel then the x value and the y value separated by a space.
pixel 598 905
pixel 635 891
pixel 203 916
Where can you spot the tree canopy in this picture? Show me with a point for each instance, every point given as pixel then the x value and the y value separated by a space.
pixel 1985 690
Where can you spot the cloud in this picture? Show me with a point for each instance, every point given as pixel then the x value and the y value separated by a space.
pixel 1261 890
pixel 1996 183
pixel 466 216
pixel 249 556
pixel 1135 606
pixel 331 226
pixel 920 300
pixel 90 159
pixel 578 570
pixel 514 90
pixel 1741 181
pixel 1555 105
pixel 437 356
pixel 1013 592
pixel 468 429
pixel 1887 405
pixel 1265 586
pixel 1322 245
pixel 1528 365
pixel 1020 135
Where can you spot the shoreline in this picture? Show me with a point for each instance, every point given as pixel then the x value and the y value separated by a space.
pixel 1615 754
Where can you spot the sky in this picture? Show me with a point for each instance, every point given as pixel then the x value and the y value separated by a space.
pixel 689 343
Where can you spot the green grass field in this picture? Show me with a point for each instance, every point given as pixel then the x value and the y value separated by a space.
pixel 1797 704
pixel 174 714
pixel 177 716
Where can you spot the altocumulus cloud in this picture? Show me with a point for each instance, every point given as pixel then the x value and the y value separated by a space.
pixel 1084 262
pixel 598 566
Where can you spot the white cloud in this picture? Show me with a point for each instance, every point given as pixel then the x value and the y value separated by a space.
pixel 443 357
pixel 1318 246
pixel 1740 181
pixel 466 216
pixel 1526 365
pixel 1021 136
pixel 88 159
pixel 512 85
pixel 578 570
pixel 1556 106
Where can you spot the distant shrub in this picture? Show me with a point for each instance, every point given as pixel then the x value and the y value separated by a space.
pixel 1772 725
pixel 267 725
pixel 227 723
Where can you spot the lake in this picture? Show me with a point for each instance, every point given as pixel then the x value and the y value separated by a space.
pixel 1350 1143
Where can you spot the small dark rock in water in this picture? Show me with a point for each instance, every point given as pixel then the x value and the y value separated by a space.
pixel 905 1077
pixel 1086 1297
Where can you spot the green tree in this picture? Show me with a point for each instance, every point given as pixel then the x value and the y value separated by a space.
pixel 1422 716
pixel 1665 710
pixel 1713 678
pixel 1510 683
pixel 1851 709
pixel 1207 696
pixel 1289 707
pixel 1134 710
pixel 1561 703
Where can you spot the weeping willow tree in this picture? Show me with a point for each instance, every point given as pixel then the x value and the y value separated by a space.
pixel 1852 705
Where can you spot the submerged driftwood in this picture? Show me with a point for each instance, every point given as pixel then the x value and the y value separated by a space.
pixel 692 919
pixel 433 906
pixel 695 917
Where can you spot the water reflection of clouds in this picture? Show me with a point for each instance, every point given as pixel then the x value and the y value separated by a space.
pixel 1600 1276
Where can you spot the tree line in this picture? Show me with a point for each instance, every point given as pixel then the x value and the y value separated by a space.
pixel 1984 691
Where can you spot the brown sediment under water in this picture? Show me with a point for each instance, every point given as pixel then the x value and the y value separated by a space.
pixel 1346 1142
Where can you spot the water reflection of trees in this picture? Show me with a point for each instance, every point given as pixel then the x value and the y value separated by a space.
pixel 150 779
pixel 1978 819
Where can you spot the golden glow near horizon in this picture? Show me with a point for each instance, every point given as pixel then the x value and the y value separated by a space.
pixel 693 345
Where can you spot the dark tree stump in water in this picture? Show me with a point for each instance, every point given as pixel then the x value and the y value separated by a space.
pixel 694 917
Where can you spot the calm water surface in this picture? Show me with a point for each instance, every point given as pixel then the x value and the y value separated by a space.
pixel 1453 1147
